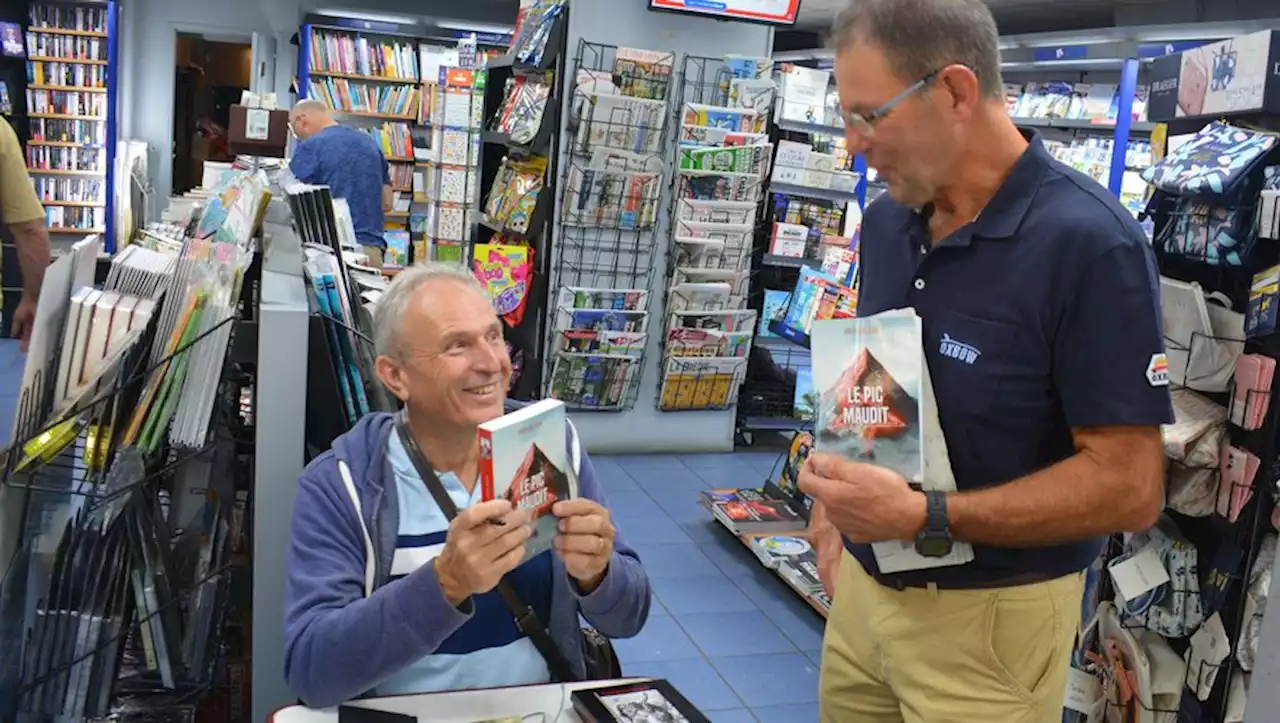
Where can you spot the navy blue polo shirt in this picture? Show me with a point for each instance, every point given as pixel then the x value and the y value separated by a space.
pixel 1039 316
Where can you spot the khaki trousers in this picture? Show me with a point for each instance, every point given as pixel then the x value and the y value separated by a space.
pixel 947 656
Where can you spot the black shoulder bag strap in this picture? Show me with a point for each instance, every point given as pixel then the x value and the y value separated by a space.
pixel 526 619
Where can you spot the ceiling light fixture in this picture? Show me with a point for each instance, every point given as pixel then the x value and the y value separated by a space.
pixel 474 27
pixel 371 17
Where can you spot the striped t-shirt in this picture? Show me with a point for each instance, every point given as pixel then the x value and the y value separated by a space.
pixel 488 650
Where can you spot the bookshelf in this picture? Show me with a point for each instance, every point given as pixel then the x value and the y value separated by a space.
pixel 70 116
pixel 370 79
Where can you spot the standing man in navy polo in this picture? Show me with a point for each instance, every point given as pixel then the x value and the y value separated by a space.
pixel 1039 297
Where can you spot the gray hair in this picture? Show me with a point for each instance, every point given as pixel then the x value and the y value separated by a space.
pixel 394 302
pixel 308 105
pixel 919 37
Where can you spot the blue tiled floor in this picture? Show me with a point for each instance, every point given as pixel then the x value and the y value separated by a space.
pixel 725 631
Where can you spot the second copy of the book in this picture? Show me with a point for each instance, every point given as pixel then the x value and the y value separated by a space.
pixel 876 405
pixel 524 458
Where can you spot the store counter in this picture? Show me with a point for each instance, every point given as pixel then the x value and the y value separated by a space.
pixel 527 704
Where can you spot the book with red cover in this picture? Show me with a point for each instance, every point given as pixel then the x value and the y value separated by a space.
pixel 524 458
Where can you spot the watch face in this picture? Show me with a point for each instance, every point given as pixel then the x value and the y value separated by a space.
pixel 933 546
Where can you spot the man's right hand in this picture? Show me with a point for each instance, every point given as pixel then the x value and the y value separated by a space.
pixel 476 553
pixel 828 545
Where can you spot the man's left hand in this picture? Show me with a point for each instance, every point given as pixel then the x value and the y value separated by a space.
pixel 585 542
pixel 24 320
pixel 866 502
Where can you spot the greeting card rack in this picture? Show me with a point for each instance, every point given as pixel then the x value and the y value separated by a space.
pixel 514 238
pixel 613 174
pixel 722 159
pixel 1221 524
pixel 117 599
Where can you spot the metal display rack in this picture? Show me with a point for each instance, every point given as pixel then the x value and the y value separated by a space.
pixel 612 176
pixel 711 242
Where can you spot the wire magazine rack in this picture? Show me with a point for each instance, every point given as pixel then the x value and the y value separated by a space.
pixel 613 176
pixel 116 604
pixel 717 186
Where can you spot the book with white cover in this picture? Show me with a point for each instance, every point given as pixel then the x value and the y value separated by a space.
pixel 524 459
pixel 876 405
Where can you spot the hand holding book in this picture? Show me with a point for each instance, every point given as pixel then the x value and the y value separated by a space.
pixel 866 502
pixel 477 553
pixel 585 540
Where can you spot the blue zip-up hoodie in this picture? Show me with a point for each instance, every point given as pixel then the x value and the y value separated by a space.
pixel 340 644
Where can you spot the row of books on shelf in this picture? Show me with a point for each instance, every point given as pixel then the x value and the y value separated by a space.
pixel 342 52
pixel 82 218
pixel 80 18
pixel 68 74
pixel 345 95
pixel 66 47
pixel 62 102
pixel 63 189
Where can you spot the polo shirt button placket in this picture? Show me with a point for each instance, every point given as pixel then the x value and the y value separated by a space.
pixel 919 284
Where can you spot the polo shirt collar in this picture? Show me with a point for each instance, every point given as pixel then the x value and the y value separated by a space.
pixel 1006 209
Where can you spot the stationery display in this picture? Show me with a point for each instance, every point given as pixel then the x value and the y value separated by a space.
pixel 115 585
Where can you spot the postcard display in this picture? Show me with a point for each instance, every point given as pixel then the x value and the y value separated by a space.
pixel 68 101
pixel 514 238
pixel 722 158
pixel 123 504
pixel 607 250
pixel 1183 604
pixel 445 189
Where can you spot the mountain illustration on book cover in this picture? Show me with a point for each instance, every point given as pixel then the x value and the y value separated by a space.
pixel 523 459
pixel 868 372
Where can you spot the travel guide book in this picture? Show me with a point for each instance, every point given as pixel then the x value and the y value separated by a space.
pixel 523 458
pixel 876 405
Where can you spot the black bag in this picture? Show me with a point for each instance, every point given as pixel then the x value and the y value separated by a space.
pixel 597 651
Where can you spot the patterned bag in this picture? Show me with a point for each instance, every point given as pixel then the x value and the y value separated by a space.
pixel 1174 609
pixel 1214 166
pixel 1216 235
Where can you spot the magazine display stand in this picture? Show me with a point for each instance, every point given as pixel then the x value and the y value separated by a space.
pixel 722 158
pixel 515 239
pixel 603 266
pixel 71 120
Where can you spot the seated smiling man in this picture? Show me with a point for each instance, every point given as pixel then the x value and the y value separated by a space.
pixel 384 594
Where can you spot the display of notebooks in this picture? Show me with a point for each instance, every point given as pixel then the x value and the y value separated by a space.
pixel 752 511
pixel 876 404
pixel 524 459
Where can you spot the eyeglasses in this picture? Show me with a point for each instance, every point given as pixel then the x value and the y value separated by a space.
pixel 864 123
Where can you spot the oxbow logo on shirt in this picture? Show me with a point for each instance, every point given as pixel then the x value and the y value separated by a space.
pixel 1158 371
pixel 958 350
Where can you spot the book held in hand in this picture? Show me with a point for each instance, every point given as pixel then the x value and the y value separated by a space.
pixel 876 405
pixel 523 458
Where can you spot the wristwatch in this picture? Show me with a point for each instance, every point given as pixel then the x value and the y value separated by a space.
pixel 934 539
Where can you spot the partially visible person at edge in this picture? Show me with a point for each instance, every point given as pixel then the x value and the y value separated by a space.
pixel 1052 421
pixel 434 620
pixel 351 164
pixel 22 226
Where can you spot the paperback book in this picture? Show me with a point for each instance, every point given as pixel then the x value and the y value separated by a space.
pixel 876 405
pixel 523 459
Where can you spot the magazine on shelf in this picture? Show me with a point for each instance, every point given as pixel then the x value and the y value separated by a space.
pixel 582 297
pixel 735 320
pixel 752 511
pixel 523 458
pixel 721 212
pixel 876 405
pixel 621 122
pixel 699 383
pixel 601 319
pixel 601 382
pixel 707 253
pixel 707 343
pixel 737 280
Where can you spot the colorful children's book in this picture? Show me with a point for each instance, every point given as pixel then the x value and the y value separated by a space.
pixel 524 458
pixel 876 405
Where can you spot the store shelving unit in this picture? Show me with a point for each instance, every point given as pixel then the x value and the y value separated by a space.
pixel 71 122
pixel 453 113
pixel 527 339
pixel 380 92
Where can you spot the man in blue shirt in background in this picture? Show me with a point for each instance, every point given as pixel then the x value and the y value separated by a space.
pixel 350 163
